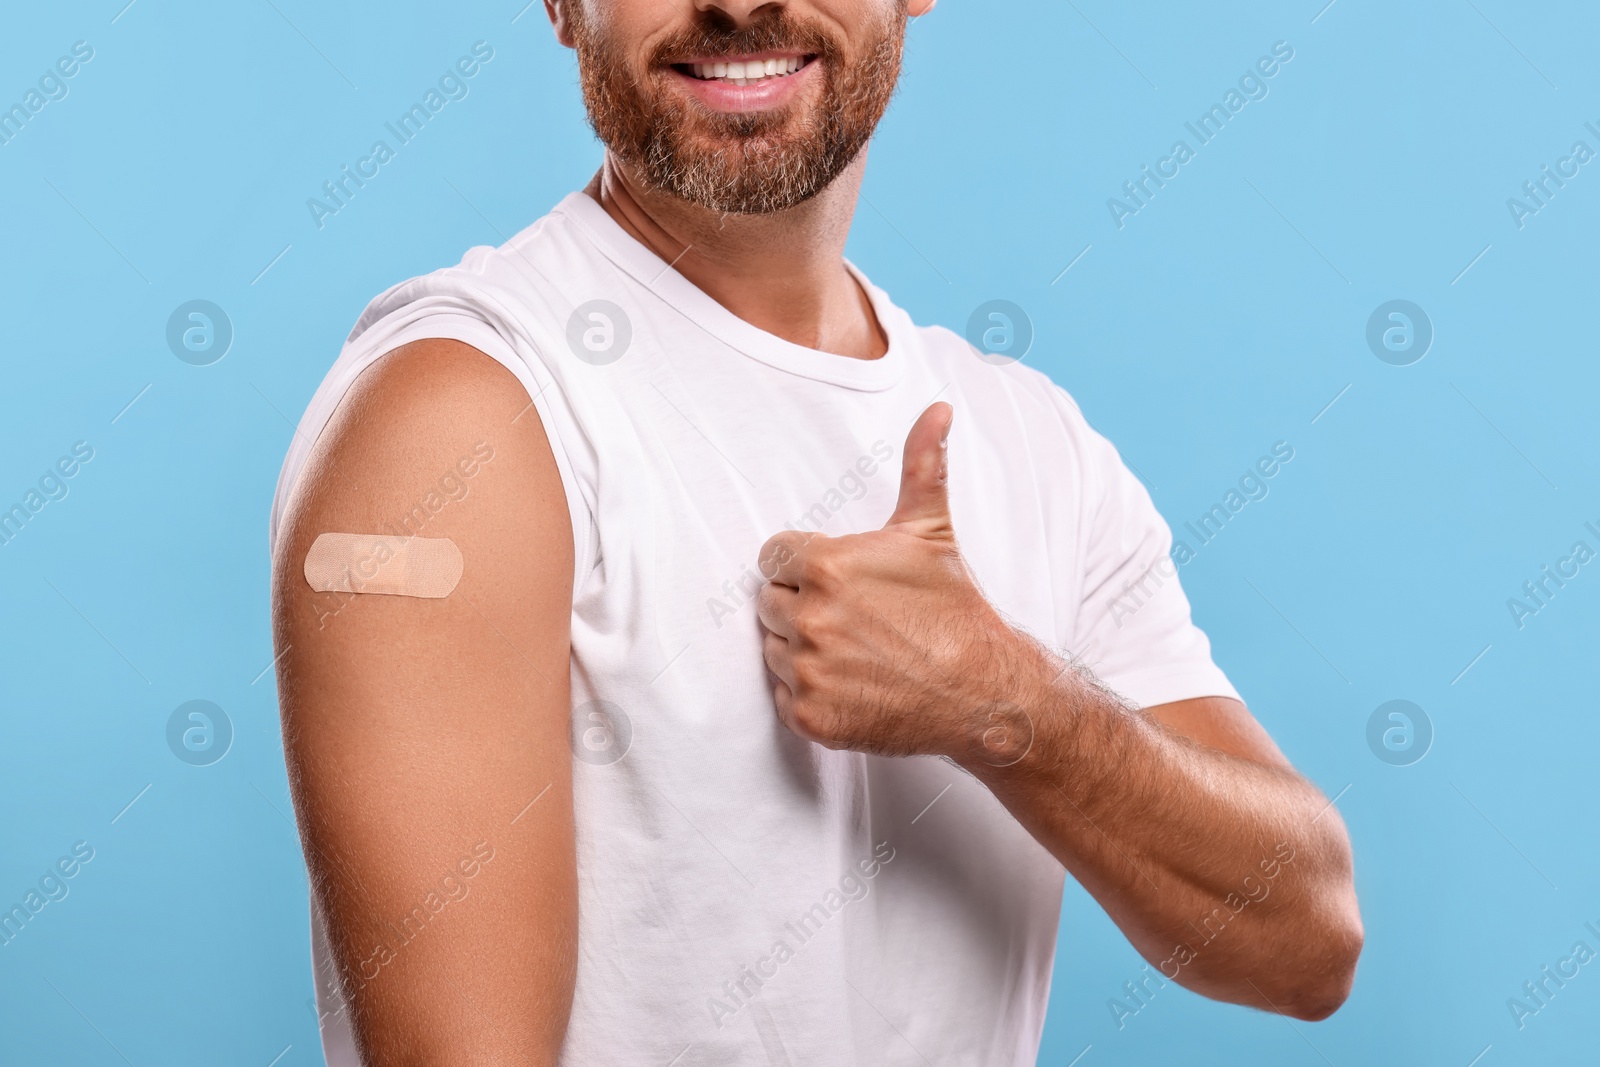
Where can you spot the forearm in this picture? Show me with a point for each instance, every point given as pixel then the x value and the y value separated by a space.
pixel 1231 875
pixel 882 642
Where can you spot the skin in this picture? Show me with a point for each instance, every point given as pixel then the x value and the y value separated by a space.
pixel 881 642
pixel 418 730
pixel 415 729
pixel 806 296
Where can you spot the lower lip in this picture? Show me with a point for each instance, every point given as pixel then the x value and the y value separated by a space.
pixel 725 96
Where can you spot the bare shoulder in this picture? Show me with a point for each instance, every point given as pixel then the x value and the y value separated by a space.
pixel 434 440
pixel 425 429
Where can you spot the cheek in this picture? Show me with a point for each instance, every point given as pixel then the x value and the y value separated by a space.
pixel 632 30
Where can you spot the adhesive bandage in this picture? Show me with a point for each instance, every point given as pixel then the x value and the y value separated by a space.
pixel 427 567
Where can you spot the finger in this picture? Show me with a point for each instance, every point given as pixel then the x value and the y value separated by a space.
pixel 783 700
pixel 775 606
pixel 775 651
pixel 924 504
pixel 782 697
pixel 780 558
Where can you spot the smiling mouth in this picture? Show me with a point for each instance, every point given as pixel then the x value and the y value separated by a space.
pixel 746 72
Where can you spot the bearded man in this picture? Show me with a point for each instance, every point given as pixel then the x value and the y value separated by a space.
pixel 685 659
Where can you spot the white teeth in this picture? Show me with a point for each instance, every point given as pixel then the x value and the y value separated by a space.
pixel 749 72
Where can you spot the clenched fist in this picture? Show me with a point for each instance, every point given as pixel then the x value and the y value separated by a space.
pixel 882 642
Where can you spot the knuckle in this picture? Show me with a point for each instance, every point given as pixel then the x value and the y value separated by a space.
pixel 809 626
pixel 812 718
pixel 809 676
pixel 776 553
pixel 822 565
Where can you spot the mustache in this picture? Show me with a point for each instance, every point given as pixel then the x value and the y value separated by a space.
pixel 712 38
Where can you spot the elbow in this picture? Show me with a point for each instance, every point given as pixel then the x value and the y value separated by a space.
pixel 1333 936
pixel 1325 984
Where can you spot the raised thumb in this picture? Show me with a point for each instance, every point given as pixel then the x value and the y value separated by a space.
pixel 924 504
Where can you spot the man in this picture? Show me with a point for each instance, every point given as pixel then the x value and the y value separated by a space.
pixel 745 734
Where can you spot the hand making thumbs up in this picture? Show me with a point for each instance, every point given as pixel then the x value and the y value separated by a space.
pixel 881 642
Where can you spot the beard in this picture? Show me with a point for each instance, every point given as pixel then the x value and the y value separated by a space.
pixel 749 164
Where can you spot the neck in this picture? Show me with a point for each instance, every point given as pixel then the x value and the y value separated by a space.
pixel 783 273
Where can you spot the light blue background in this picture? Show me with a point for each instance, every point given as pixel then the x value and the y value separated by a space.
pixel 1224 317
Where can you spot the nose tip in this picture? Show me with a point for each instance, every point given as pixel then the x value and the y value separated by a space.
pixel 740 13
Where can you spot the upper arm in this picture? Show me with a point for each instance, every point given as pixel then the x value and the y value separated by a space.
pixel 418 731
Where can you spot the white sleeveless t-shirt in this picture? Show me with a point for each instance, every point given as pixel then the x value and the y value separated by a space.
pixel 746 897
